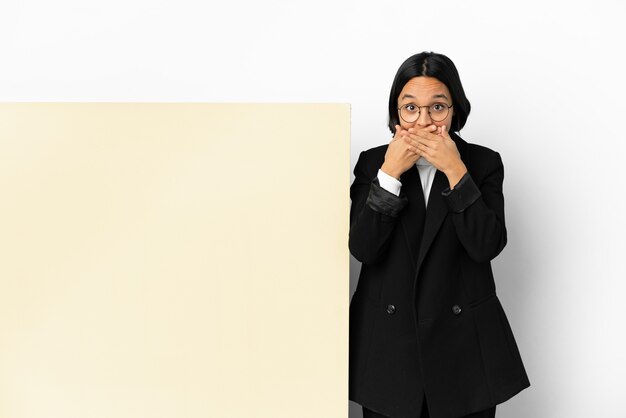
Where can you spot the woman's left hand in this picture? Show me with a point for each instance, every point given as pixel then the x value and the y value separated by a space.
pixel 439 150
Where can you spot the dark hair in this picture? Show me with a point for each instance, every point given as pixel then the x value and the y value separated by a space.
pixel 435 65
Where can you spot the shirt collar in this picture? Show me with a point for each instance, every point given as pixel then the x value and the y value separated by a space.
pixel 423 162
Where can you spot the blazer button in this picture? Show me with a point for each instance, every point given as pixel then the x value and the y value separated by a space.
pixel 391 309
pixel 456 309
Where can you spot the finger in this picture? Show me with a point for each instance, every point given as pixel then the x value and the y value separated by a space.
pixel 413 149
pixel 399 132
pixel 444 131
pixel 417 146
pixel 424 150
pixel 410 145
pixel 409 140
pixel 433 136
pixel 428 141
pixel 430 128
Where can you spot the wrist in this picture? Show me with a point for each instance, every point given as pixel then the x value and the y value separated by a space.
pixel 385 168
pixel 455 174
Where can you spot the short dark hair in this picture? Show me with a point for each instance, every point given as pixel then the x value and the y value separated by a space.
pixel 430 64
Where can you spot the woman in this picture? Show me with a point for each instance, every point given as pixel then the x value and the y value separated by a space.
pixel 428 336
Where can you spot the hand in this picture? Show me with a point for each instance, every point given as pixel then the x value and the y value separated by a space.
pixel 440 150
pixel 401 155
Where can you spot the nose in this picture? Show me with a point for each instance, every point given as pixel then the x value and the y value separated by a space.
pixel 423 118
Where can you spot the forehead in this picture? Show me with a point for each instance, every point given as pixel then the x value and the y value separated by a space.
pixel 423 89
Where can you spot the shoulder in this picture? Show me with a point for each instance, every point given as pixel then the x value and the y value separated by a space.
pixel 371 160
pixel 480 160
pixel 374 153
pixel 482 153
pixel 476 154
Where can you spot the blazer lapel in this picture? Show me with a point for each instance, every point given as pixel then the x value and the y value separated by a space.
pixel 435 214
pixel 437 209
pixel 413 218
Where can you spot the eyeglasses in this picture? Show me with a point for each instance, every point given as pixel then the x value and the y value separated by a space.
pixel 437 112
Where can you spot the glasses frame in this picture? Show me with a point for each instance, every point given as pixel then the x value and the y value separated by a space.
pixel 419 112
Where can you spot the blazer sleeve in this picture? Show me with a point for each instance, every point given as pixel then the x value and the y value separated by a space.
pixel 373 214
pixel 478 212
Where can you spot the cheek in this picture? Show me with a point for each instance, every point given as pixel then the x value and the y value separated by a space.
pixel 448 120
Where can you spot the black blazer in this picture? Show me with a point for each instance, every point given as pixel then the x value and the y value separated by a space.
pixel 425 318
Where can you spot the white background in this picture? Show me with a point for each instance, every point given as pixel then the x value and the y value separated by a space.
pixel 546 83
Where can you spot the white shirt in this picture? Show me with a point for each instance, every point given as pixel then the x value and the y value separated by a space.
pixel 427 174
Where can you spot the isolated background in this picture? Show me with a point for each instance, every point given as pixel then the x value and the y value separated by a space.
pixel 546 82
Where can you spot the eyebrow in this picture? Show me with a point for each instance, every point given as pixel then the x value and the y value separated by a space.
pixel 436 96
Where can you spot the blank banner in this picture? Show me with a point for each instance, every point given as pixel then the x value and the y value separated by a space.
pixel 174 260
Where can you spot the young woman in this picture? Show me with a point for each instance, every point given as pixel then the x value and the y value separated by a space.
pixel 428 336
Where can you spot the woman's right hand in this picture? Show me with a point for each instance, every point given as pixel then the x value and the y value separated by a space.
pixel 400 155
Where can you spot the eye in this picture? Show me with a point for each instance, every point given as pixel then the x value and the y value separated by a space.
pixel 410 107
pixel 438 107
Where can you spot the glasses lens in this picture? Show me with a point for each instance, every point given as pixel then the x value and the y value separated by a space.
pixel 409 113
pixel 438 111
